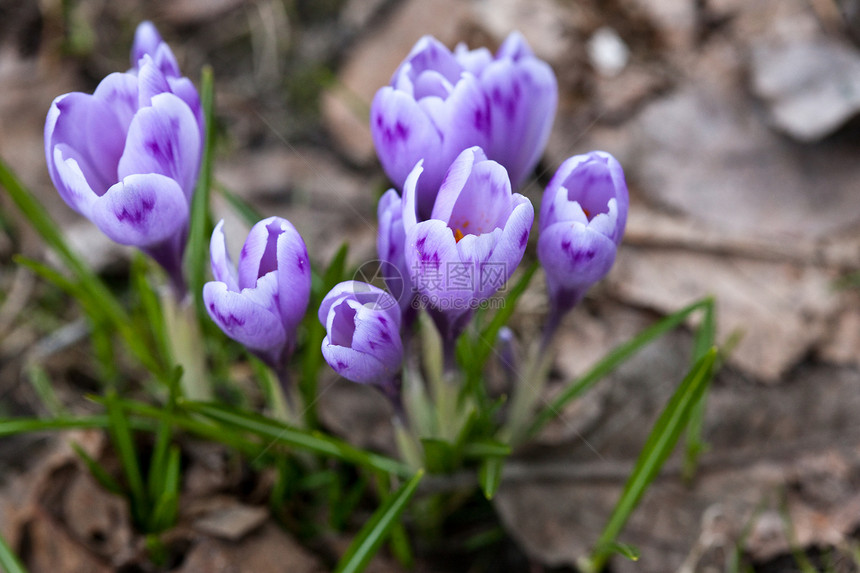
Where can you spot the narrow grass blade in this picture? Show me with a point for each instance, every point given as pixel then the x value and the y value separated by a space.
pixel 151 314
pixel 9 562
pixel 312 441
pixel 123 441
pixel 44 389
pixel 12 426
pixel 485 449
pixel 197 253
pixel 658 446
pixel 161 451
pixel 166 508
pixel 490 475
pixel 613 360
pixel 705 339
pixel 99 472
pixel 373 534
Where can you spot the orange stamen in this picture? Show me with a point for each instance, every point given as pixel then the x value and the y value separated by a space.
pixel 458 234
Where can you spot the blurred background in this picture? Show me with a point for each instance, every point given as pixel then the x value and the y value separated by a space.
pixel 737 124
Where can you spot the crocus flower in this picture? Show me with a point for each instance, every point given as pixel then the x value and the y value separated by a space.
pixel 582 219
pixel 472 242
pixel 390 243
pixel 261 302
pixel 440 103
pixel 127 156
pixel 362 341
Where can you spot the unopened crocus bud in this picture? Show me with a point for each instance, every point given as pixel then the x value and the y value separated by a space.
pixel 127 156
pixel 261 302
pixel 440 103
pixel 472 242
pixel 362 341
pixel 582 219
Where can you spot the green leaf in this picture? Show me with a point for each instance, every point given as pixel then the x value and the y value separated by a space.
pixel 613 360
pixel 439 455
pixel 704 340
pixel 9 562
pixel 373 534
pixel 658 446
pixel 44 389
pixel 158 463
pixel 486 448
pixel 279 433
pixel 123 441
pixel 490 475
pixel 99 472
pixel 200 230
pixel 152 319
pixel 166 509
pixel 14 426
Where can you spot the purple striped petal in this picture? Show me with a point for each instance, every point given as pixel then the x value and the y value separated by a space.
pixel 245 320
pixel 164 139
pixel 294 276
pixel 142 210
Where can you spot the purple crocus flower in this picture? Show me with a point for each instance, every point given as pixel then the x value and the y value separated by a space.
pixel 127 156
pixel 440 103
pixel 472 242
pixel 261 302
pixel 362 341
pixel 582 219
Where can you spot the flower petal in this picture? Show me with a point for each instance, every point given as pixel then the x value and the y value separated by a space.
pixel 402 134
pixel 71 182
pixel 164 139
pixel 390 244
pixel 222 267
pixel 259 253
pixel 294 276
pixel 574 256
pixel 244 320
pixel 353 365
pixel 365 294
pixel 523 96
pixel 93 136
pixel 141 210
pixel 484 203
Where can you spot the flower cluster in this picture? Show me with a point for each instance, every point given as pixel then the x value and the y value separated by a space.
pixel 127 156
pixel 457 132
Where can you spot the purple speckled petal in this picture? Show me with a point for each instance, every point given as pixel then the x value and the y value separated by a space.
pixel 165 139
pixel 509 248
pixel 141 210
pixel 185 90
pixel 294 275
pixel 402 134
pixel 523 96
pixel 377 335
pixel 245 321
pixel 432 255
pixel 574 257
pixel 222 267
pixel 410 197
pixel 353 365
